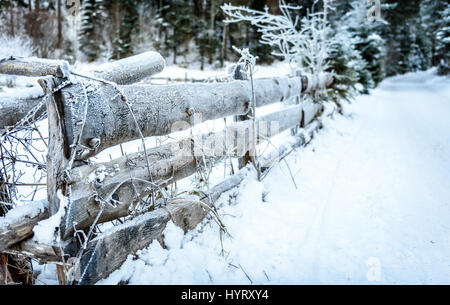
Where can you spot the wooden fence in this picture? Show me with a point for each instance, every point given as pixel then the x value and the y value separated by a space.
pixel 90 113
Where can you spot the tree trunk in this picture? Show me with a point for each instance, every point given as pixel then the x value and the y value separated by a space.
pixel 11 20
pixel 274 7
pixel 60 21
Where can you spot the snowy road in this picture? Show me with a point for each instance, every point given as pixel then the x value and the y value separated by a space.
pixel 372 205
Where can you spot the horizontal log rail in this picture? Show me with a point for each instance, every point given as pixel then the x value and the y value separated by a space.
pixel 132 69
pixel 124 71
pixel 14 110
pixel 90 112
pixel 158 109
pixel 33 67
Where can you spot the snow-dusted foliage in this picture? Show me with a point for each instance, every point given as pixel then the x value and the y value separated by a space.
pixel 304 42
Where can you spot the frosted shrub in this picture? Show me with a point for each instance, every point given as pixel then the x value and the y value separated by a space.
pixel 17 46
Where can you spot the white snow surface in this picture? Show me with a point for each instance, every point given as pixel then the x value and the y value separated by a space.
pixel 23 210
pixel 372 205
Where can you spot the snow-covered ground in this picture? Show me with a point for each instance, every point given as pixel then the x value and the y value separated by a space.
pixel 372 205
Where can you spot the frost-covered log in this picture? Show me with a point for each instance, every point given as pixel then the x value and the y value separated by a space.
pixel 93 184
pixel 312 83
pixel 107 252
pixel 158 109
pixel 131 69
pixel 271 158
pixel 13 109
pixel 18 223
pixel 33 66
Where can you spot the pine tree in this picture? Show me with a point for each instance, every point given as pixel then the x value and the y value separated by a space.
pixel 90 35
pixel 443 42
pixel 129 28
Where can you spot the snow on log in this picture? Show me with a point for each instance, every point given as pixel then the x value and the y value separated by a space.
pixel 92 184
pixel 33 67
pixel 18 223
pixel 131 69
pixel 108 251
pixel 158 108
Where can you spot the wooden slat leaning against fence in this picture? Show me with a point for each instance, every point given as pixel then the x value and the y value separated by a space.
pixel 92 112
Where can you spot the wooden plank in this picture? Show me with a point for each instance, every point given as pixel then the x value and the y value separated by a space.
pixel 168 163
pixel 33 67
